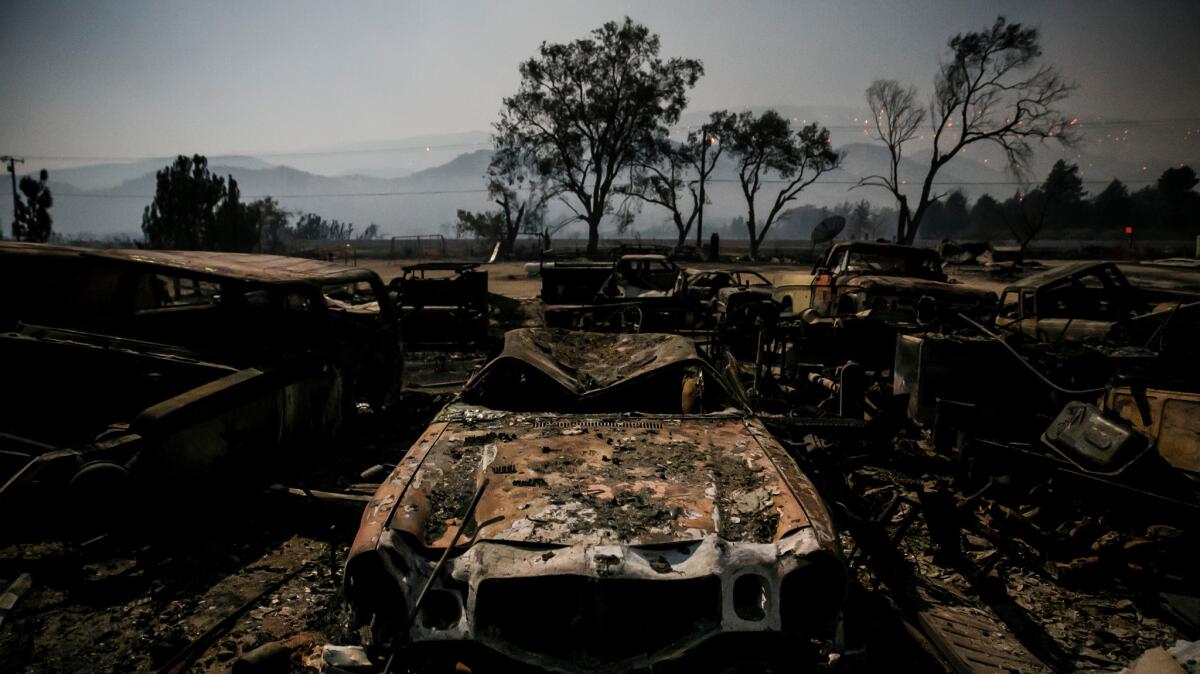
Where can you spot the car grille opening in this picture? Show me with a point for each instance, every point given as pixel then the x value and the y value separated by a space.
pixel 578 617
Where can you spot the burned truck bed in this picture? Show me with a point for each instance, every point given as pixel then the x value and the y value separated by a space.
pixel 180 365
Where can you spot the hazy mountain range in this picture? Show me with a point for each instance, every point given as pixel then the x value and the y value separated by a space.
pixel 415 185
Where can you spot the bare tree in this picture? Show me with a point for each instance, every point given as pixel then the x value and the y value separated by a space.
pixel 766 145
pixel 522 194
pixel 659 179
pixel 992 90
pixel 897 117
pixel 704 151
pixel 674 176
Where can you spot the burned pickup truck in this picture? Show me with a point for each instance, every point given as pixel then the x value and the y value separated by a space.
pixel 595 502
pixel 898 285
pixel 122 363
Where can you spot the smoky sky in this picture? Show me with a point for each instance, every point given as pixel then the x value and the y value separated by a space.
pixel 126 78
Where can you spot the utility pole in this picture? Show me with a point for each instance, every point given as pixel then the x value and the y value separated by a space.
pixel 12 171
pixel 700 206
pixel 707 140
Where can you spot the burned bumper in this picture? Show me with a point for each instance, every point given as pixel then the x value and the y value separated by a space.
pixel 600 607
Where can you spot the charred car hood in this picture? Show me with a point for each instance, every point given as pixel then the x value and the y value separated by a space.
pixel 561 481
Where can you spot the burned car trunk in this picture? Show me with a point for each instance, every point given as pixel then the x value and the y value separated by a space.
pixel 594 539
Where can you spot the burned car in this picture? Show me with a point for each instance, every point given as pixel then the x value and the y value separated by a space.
pixel 595 502
pixel 178 366
pixel 1088 301
pixel 898 285
pixel 239 309
pixel 442 304
pixel 736 302
pixel 628 277
pixel 636 293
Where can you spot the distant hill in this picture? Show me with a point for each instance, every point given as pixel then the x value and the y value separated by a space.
pixel 393 158
pixel 103 176
pixel 423 201
pixel 118 209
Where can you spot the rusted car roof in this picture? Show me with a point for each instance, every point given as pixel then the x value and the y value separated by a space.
pixel 243 266
pixel 27 248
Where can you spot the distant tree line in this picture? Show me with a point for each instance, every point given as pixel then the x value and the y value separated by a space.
pixel 194 209
pixel 1057 208
pixel 1060 208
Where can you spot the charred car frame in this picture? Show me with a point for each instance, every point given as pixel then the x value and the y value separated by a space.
pixel 538 522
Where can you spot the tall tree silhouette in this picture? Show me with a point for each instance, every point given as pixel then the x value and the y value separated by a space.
pixel 587 110
pixel 674 175
pixel 1026 214
pixel 766 145
pixel 994 90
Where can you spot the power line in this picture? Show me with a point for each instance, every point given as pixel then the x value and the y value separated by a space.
pixel 12 170
pixel 1106 123
pixel 330 195
pixel 1080 125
